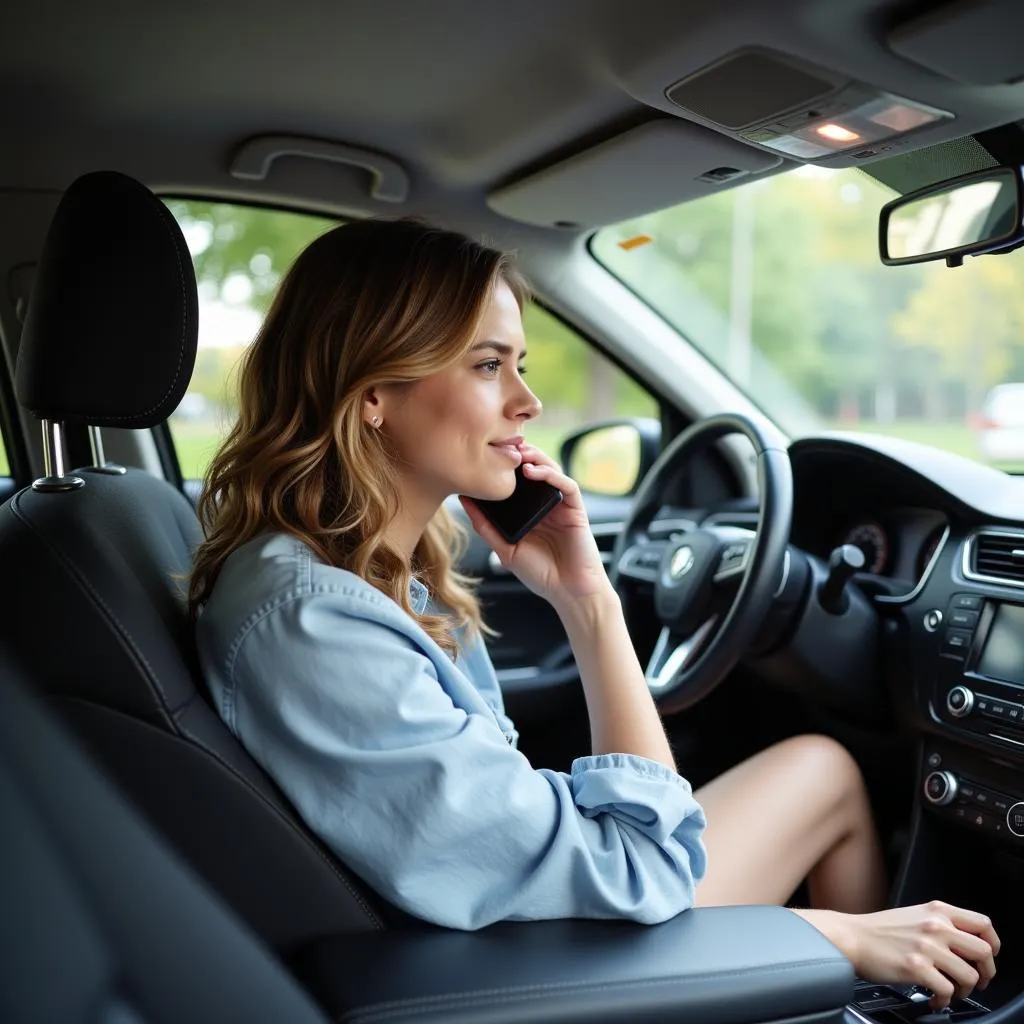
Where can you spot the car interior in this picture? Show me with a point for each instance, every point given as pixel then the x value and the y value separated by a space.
pixel 773 258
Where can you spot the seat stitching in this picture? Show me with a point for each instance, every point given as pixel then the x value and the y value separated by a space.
pixel 424 1004
pixel 174 723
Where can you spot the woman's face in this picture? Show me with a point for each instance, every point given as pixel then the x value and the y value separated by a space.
pixel 456 430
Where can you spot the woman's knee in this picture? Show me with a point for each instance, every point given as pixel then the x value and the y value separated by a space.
pixel 820 759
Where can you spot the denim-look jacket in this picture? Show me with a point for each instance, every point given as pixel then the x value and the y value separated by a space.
pixel 405 765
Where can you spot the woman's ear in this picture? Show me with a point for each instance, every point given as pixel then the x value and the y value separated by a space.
pixel 373 409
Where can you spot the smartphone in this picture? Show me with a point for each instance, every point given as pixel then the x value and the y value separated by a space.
pixel 529 503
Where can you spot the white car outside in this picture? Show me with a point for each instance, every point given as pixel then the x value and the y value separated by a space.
pixel 1001 424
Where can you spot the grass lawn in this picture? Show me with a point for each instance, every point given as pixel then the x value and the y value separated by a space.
pixel 197 442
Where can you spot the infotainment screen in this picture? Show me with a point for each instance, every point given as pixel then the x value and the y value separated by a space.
pixel 1003 656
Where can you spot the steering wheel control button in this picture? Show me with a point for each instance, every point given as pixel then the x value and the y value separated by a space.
pixel 733 560
pixel 959 701
pixel 642 560
pixel 932 620
pixel 972 602
pixel 940 788
pixel 957 642
pixel 962 619
pixel 1015 819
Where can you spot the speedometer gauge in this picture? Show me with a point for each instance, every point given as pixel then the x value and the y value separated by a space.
pixel 871 538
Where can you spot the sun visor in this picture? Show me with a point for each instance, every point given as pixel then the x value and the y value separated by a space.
pixel 659 164
pixel 991 29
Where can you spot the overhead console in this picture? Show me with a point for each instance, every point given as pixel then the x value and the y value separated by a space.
pixel 740 116
pixel 796 109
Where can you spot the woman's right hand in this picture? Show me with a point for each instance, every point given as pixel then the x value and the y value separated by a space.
pixel 944 948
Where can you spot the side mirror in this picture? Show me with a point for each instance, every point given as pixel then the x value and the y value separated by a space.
pixel 964 216
pixel 611 457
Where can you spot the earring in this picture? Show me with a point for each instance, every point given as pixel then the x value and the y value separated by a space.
pixel 375 421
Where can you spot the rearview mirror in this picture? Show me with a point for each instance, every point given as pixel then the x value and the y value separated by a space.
pixel 964 216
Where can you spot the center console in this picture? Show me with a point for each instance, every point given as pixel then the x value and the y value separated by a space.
pixel 977 694
pixel 979 685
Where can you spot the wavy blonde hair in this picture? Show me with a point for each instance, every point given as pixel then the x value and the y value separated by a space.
pixel 368 303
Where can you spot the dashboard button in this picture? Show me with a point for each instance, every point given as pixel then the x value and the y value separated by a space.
pixel 1000 803
pixel 1015 819
pixel 997 709
pixel 969 601
pixel 957 642
pixel 978 818
pixel 983 704
pixel 962 619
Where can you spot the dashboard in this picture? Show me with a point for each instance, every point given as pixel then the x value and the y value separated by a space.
pixel 943 540
pixel 898 543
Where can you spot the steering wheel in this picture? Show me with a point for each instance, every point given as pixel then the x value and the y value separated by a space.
pixel 708 623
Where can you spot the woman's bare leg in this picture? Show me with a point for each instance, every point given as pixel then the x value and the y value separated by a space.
pixel 796 810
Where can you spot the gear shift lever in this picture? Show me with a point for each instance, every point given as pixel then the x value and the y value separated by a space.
pixel 844 561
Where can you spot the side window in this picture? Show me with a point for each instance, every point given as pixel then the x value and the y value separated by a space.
pixel 240 254
pixel 576 383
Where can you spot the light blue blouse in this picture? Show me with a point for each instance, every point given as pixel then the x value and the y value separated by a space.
pixel 405 764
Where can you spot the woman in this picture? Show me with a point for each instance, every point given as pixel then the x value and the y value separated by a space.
pixel 345 652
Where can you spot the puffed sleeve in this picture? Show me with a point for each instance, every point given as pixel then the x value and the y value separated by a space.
pixel 429 803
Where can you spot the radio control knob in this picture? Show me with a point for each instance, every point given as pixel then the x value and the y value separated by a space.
pixel 959 702
pixel 940 788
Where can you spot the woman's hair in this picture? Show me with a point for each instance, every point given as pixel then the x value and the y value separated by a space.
pixel 369 303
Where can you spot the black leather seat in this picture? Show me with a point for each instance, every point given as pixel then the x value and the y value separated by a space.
pixel 100 923
pixel 96 617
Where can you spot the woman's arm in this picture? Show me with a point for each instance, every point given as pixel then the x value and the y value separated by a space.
pixel 423 797
pixel 623 718
pixel 558 559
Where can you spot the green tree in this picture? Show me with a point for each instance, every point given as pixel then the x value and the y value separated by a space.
pixel 257 244
pixel 972 318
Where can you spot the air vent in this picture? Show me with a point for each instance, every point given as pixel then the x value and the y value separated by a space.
pixel 997 556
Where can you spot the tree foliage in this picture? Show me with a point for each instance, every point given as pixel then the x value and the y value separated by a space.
pixel 828 325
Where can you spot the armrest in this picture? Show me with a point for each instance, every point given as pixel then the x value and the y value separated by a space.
pixel 720 965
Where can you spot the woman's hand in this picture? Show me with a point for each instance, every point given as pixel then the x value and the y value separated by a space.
pixel 558 559
pixel 944 948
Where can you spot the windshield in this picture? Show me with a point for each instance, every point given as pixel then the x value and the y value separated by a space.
pixel 779 283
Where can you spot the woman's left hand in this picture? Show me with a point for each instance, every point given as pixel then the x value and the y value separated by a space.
pixel 558 559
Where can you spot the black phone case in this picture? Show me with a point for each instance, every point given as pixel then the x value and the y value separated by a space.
pixel 529 503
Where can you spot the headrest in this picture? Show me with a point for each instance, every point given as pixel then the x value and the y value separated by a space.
pixel 112 322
